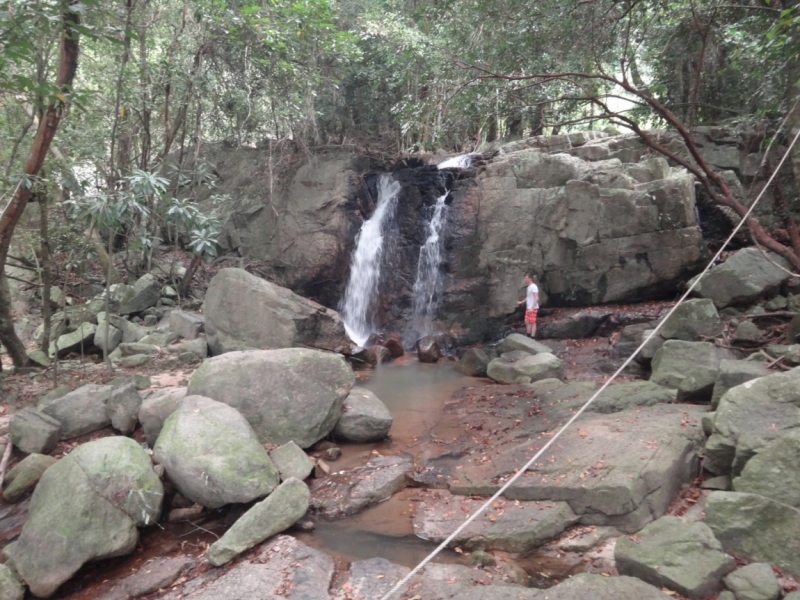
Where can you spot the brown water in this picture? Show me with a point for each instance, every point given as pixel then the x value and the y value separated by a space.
pixel 415 394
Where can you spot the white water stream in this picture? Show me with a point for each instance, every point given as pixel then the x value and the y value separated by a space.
pixel 428 283
pixel 361 294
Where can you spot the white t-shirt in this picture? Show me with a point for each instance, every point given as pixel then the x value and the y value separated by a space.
pixel 530 298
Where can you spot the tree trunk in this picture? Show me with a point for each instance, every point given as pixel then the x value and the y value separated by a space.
pixel 45 251
pixel 183 288
pixel 67 66
pixel 8 337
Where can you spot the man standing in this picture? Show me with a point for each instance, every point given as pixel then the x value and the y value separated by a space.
pixel 531 305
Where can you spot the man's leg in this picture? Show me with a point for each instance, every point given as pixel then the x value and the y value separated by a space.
pixel 528 327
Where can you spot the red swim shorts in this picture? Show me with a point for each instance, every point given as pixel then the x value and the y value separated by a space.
pixel 530 316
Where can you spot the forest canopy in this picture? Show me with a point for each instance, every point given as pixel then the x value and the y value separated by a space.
pixel 105 105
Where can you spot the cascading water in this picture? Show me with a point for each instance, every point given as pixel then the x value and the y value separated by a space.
pixel 361 293
pixel 427 284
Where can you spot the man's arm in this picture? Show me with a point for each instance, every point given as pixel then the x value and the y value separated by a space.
pixel 536 298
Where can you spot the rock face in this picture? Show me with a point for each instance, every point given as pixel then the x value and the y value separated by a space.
pixel 521 367
pixel 82 411
pixel 756 528
pixel 684 557
pixel 79 340
pixel 364 418
pixel 292 394
pixel 278 512
pixel 749 416
pixel 244 312
pixel 593 231
pixel 212 455
pixel 86 507
pixel 507 526
pixel 742 279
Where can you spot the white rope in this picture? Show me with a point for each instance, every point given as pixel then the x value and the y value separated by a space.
pixel 566 426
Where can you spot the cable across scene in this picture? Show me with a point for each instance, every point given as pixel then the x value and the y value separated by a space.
pixel 589 402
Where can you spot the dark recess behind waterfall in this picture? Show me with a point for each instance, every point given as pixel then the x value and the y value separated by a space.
pixel 405 233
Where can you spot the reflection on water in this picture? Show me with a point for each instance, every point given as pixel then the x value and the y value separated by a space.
pixel 342 540
pixel 415 393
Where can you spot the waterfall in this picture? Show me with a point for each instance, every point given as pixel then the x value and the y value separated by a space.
pixel 462 161
pixel 361 294
pixel 427 284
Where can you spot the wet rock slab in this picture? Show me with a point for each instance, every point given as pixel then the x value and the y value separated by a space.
pixel 282 568
pixel 619 469
pixel 152 576
pixel 512 526
pixel 348 492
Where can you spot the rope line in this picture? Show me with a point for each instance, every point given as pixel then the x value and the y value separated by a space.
pixel 588 403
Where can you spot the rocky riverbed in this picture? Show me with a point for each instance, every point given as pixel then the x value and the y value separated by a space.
pixel 267 471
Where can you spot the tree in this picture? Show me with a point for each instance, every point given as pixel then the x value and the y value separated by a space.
pixel 48 125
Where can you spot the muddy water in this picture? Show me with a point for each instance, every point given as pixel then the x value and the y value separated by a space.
pixel 415 394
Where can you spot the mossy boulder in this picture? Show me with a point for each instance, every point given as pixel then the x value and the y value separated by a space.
pixel 86 507
pixel 213 456
pixel 289 394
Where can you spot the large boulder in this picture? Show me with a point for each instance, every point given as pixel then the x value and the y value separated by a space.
pixel 33 431
pixel 749 417
pixel 685 557
pixel 80 340
pixel 291 461
pixel 692 321
pixel 245 312
pixel 25 475
pixel 521 367
pixel 689 367
pixel 123 407
pixel 188 325
pixel 428 350
pixel 744 278
pixel 86 507
pixel 156 408
pixel 735 372
pixel 517 341
pixel 291 394
pixel 474 362
pixel 212 455
pixel 146 292
pixel 756 528
pixel 364 418
pixel 278 512
pixel 82 411
pixel 775 471
pixel 755 581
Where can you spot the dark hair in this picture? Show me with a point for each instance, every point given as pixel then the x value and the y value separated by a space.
pixel 529 275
